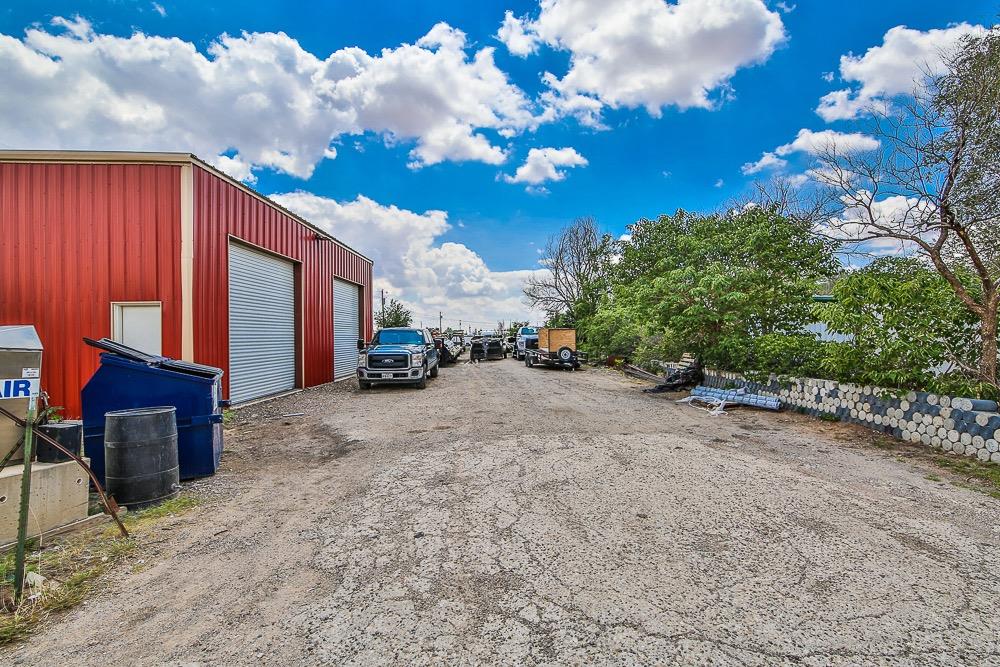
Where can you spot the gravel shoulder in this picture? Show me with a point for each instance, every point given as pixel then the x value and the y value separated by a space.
pixel 508 515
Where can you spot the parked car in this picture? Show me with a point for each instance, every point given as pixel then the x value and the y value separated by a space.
pixel 487 348
pixel 526 339
pixel 448 350
pixel 398 355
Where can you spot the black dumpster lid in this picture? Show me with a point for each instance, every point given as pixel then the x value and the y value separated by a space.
pixel 167 363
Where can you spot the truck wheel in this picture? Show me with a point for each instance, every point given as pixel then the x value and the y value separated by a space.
pixel 434 371
pixel 364 384
pixel 423 383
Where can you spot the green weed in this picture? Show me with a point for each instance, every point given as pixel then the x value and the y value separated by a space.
pixel 71 567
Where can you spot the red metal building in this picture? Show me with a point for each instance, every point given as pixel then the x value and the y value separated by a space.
pixel 164 252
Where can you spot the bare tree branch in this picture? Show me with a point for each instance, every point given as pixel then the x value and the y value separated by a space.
pixel 574 261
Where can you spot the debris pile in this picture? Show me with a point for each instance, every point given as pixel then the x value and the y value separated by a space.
pixel 678 379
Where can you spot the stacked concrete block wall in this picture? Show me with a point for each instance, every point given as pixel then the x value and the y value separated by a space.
pixel 965 426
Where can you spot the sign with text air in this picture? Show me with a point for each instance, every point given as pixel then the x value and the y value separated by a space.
pixel 18 388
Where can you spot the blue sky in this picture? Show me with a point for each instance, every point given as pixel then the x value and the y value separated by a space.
pixel 637 164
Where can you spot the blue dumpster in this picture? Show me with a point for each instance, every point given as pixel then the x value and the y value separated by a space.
pixel 129 378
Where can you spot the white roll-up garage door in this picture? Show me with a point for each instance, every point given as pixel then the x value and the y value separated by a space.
pixel 346 321
pixel 261 324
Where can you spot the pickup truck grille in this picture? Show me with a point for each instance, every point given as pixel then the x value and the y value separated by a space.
pixel 379 361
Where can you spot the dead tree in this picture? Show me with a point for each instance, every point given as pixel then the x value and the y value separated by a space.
pixel 933 187
pixel 574 261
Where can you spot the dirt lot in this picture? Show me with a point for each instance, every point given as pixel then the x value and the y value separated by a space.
pixel 508 515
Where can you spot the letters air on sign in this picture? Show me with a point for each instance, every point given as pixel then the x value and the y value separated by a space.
pixel 18 388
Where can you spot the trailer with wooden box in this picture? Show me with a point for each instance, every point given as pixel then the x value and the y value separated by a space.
pixel 556 348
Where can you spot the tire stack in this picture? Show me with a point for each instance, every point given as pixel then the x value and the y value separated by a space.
pixel 964 426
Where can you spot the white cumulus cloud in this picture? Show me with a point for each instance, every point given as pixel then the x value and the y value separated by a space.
pixel 644 53
pixel 413 265
pixel 895 67
pixel 258 99
pixel 543 164
pixel 767 161
pixel 812 143
pixel 515 36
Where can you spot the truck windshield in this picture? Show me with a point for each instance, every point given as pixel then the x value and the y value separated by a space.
pixel 398 337
pixel 528 331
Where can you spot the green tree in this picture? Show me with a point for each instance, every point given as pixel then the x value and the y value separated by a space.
pixel 394 315
pixel 712 284
pixel 903 325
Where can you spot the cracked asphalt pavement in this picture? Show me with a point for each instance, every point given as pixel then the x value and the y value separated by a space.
pixel 508 515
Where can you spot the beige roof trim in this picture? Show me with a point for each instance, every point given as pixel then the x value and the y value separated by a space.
pixel 141 157
pixel 123 157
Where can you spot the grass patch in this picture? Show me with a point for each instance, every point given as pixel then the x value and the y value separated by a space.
pixel 71 568
pixel 979 476
pixel 966 472
pixel 170 507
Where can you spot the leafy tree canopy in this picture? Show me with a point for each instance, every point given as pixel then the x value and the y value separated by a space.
pixel 394 315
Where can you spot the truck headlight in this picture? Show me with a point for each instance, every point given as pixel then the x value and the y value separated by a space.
pixel 362 361
pixel 417 359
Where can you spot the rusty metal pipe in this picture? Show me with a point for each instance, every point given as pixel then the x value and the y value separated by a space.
pixel 110 506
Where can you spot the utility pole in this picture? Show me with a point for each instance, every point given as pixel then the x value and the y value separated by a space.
pixel 383 306
pixel 440 320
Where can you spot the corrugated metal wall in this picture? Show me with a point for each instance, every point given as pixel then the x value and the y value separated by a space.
pixel 74 238
pixel 222 209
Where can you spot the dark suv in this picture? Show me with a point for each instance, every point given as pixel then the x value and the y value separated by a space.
pixel 399 356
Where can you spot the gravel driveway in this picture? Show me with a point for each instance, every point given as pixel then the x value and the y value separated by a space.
pixel 508 515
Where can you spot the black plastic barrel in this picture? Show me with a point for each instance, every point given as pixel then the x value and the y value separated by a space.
pixel 67 433
pixel 140 455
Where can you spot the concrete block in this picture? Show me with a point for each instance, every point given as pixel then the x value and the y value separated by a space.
pixel 59 496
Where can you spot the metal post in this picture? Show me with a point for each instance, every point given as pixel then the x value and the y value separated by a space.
pixel 22 516
pixel 440 320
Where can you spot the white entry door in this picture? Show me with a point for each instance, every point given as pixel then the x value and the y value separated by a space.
pixel 138 325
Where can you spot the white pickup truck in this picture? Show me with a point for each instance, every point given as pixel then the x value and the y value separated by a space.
pixel 527 337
